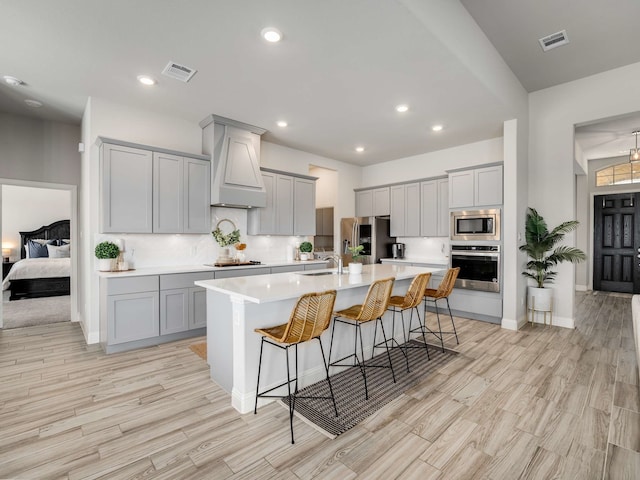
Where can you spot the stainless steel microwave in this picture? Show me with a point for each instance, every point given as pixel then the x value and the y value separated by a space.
pixel 475 224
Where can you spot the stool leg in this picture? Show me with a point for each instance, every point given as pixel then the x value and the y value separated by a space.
pixel 333 329
pixel 439 326
pixel 255 408
pixel 328 380
pixel 424 332
pixel 286 351
pixel 452 323
pixel 385 342
pixel 364 368
pixel 404 335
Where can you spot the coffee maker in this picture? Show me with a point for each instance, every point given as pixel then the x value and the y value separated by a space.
pixel 397 250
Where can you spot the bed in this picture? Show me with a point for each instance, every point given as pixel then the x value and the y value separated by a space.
pixel 41 277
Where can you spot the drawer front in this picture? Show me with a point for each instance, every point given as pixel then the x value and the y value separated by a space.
pixel 245 272
pixel 287 268
pixel 183 280
pixel 316 266
pixel 118 286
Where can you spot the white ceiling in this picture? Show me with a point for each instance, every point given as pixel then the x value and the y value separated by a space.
pixel 335 78
pixel 608 138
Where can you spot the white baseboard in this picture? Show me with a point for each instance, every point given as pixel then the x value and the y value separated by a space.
pixel 510 324
pixel 565 322
pixel 89 337
pixel 581 288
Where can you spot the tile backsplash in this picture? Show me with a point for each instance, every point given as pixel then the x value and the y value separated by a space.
pixel 149 250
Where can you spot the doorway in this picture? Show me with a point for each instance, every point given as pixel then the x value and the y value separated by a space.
pixel 616 243
pixel 39 204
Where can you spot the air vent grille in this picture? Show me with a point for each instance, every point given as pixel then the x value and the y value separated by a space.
pixel 554 40
pixel 179 72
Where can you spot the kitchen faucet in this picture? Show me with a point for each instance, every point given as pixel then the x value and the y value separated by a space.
pixel 338 259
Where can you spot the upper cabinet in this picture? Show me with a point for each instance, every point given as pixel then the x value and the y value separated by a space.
pixel 150 190
pixel 475 187
pixel 373 202
pixel 290 206
pixel 434 196
pixel 405 210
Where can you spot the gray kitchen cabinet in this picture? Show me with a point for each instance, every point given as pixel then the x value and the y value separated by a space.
pixel 174 311
pixel 304 206
pixel 373 202
pixel 168 193
pixel 126 189
pixel 476 187
pixel 197 307
pixel 197 186
pixel 287 268
pixel 131 308
pixel 242 272
pixel 153 190
pixel 405 210
pixel 181 302
pixel 290 206
pixel 434 202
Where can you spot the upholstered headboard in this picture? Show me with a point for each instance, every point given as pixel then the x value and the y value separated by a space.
pixel 56 230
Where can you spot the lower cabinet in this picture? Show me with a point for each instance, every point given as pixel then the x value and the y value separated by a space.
pixel 132 316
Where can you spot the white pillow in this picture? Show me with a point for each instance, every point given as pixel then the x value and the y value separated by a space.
pixel 59 252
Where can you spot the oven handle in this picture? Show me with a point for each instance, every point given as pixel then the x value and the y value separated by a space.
pixel 476 254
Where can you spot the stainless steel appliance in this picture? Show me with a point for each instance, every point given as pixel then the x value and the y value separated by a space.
pixel 479 266
pixel 475 224
pixel 397 250
pixel 370 232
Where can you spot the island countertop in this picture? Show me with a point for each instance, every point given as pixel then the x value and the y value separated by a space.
pixel 284 286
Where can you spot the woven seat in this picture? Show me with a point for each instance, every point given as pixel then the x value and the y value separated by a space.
pixel 409 301
pixel 310 317
pixel 442 292
pixel 373 307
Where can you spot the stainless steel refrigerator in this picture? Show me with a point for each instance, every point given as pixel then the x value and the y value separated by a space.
pixel 370 232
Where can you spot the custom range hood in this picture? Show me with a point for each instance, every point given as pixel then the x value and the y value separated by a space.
pixel 234 148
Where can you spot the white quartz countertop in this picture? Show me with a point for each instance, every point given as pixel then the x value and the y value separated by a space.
pixel 429 261
pixel 198 268
pixel 284 286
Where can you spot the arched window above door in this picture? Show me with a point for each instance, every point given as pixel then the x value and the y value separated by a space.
pixel 620 174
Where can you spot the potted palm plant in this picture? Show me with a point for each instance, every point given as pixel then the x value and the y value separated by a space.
pixel 106 253
pixel 355 265
pixel 544 254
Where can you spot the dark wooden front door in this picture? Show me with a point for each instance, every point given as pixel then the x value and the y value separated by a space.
pixel 616 242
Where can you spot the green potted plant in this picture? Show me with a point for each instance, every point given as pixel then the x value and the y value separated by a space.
pixel 355 265
pixel 106 253
pixel 306 249
pixel 544 255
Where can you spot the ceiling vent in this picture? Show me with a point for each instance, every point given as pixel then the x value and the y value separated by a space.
pixel 554 40
pixel 179 72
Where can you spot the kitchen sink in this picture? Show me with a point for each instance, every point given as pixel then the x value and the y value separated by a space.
pixel 316 274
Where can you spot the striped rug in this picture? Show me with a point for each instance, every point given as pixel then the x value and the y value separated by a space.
pixel 348 388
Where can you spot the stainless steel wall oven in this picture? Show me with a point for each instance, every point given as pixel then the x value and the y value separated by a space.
pixel 479 266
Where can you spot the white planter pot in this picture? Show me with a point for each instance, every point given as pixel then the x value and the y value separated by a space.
pixel 540 299
pixel 106 264
pixel 304 256
pixel 355 269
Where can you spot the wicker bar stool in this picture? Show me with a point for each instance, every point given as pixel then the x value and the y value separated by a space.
pixel 442 292
pixel 409 301
pixel 309 318
pixel 374 306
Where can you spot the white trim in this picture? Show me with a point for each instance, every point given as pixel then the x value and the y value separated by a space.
pixel 73 190
pixel 581 288
pixel 511 324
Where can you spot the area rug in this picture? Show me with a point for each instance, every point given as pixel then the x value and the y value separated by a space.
pixel 348 388
pixel 36 311
pixel 200 349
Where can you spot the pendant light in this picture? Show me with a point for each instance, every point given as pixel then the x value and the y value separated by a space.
pixel 634 153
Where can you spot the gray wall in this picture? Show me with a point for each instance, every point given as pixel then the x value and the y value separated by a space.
pixel 38 150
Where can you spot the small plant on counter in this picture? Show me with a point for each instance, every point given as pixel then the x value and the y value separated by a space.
pixel 107 250
pixel 356 253
pixel 306 247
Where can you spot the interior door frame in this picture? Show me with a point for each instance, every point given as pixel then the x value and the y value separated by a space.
pixel 73 189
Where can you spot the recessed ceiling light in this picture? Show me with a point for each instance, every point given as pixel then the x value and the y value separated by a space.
pixel 402 108
pixel 359 149
pixel 33 103
pixel 146 80
pixel 282 123
pixel 436 128
pixel 13 81
pixel 272 35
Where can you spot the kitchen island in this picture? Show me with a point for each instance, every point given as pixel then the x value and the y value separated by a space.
pixel 237 306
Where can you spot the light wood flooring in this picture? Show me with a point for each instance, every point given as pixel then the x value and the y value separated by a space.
pixel 540 403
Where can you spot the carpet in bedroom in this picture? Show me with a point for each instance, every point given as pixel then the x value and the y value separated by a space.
pixel 36 311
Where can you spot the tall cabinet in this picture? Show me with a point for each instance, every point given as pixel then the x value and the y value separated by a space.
pixel 152 190
pixel 405 210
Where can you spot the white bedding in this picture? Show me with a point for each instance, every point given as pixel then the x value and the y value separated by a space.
pixel 38 268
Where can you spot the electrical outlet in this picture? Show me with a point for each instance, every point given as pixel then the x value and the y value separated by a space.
pixel 194 250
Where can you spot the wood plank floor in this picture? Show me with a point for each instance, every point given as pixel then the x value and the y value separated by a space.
pixel 537 404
